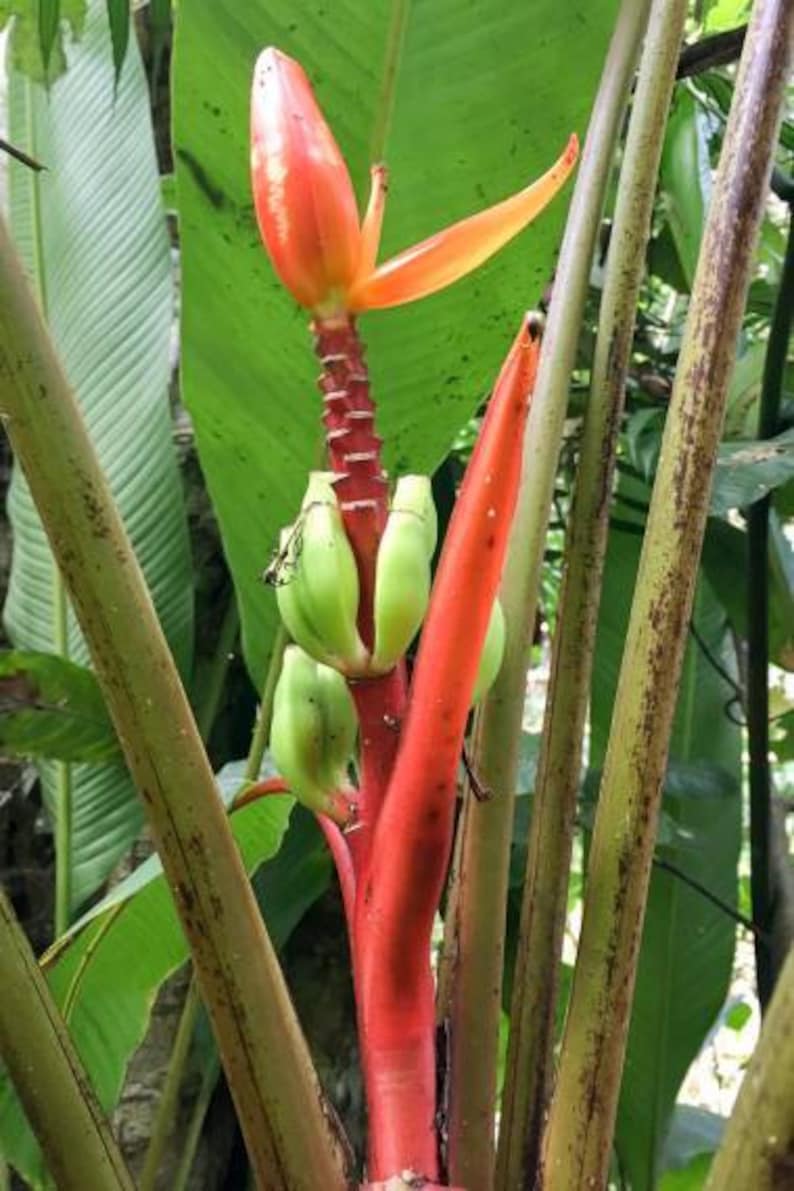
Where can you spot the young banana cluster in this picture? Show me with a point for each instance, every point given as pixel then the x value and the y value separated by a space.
pixel 317 591
pixel 317 586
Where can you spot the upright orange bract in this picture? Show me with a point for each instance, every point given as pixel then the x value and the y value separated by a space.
pixel 308 218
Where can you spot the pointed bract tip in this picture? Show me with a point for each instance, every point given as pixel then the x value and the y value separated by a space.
pixel 449 255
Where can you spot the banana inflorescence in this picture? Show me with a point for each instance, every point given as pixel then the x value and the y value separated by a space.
pixel 313 734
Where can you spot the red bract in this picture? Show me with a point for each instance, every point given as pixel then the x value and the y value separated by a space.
pixel 304 198
pixel 307 212
pixel 399 891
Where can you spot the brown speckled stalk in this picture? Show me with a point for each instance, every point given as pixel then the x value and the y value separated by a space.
pixel 581 1122
pixel 48 1075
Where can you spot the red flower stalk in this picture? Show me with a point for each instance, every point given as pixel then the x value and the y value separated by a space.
pixel 399 892
pixel 393 864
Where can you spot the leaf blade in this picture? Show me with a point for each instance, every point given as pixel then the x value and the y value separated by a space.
pixel 105 283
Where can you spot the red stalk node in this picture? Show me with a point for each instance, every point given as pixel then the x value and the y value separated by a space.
pixel 353 450
pixel 402 884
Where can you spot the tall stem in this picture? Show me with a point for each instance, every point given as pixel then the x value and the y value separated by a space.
pixel 256 750
pixel 529 1062
pixel 177 1062
pixel 762 865
pixel 48 1075
pixel 284 1121
pixel 169 1096
pixel 757 1149
pixel 61 771
pixel 214 677
pixel 477 933
pixel 579 1135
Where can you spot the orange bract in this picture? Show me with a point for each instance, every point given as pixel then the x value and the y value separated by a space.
pixel 307 213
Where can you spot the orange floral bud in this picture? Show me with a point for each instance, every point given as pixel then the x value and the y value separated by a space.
pixel 304 198
pixel 308 218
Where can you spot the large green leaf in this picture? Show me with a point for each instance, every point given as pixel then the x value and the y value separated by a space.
pixel 480 105
pixel 50 707
pixel 687 947
pixel 105 979
pixel 92 232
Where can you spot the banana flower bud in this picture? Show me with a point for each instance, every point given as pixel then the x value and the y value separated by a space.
pixel 307 214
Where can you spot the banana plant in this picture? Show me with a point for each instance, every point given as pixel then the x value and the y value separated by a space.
pixel 368 726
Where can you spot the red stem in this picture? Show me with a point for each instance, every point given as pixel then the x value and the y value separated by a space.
pixel 399 895
pixel 343 863
pixel 353 450
pixel 270 785
pixel 380 703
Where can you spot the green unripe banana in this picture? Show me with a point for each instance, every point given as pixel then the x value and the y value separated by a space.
pixel 319 592
pixel 312 734
pixel 414 494
pixel 402 572
pixel 340 726
pixel 493 652
pixel 288 598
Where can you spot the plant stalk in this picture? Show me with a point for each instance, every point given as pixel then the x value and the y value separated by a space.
pixel 214 677
pixel 757 1147
pixel 60 1104
pixel 61 771
pixel 256 751
pixel 284 1121
pixel 475 935
pixel 536 980
pixel 193 1136
pixel 168 1105
pixel 189 1011
pixel 579 1134
pixel 763 881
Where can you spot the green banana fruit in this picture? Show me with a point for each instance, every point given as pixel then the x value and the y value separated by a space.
pixel 313 733
pixel 493 652
pixel 317 590
pixel 402 572
pixel 414 494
